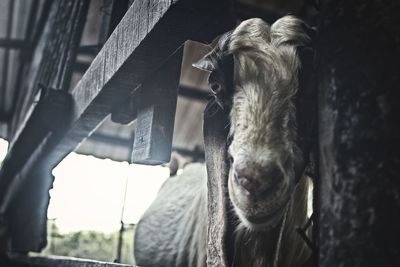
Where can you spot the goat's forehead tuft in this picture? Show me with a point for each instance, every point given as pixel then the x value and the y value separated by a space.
pixel 256 33
pixel 290 30
pixel 252 29
pixel 287 30
pixel 266 79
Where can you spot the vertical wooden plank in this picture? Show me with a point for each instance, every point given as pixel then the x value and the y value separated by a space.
pixel 156 113
pixel 215 134
pixel 54 57
pixel 359 133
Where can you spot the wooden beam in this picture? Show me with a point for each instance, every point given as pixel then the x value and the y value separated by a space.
pixel 53 108
pixel 156 114
pixel 113 12
pixel 14 44
pixel 142 41
pixel 32 36
pixel 53 59
pixel 24 188
pixel 47 118
pixel 215 134
pixel 59 261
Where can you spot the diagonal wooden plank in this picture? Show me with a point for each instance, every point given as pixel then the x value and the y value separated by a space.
pixel 148 34
pixel 51 68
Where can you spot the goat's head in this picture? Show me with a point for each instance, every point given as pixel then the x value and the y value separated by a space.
pixel 254 73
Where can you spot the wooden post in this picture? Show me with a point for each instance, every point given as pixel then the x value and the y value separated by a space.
pixel 156 113
pixel 215 134
pixel 359 133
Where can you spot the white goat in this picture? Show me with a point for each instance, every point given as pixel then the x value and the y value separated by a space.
pixel 266 183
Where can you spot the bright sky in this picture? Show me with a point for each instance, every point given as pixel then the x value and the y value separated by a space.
pixel 88 192
pixel 3 149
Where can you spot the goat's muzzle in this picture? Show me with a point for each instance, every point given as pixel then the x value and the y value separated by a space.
pixel 259 194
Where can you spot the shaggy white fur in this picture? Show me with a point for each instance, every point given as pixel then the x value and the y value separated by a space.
pixel 263 151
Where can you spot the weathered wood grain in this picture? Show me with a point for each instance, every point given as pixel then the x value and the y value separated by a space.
pixel 149 33
pixel 53 59
pixel 215 135
pixel 359 133
pixel 59 261
pixel 113 11
pixel 47 117
pixel 25 199
pixel 156 113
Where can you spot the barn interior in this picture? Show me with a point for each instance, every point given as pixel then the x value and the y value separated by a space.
pixel 112 79
pixel 46 47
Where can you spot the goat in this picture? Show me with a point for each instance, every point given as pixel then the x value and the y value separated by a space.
pixel 254 72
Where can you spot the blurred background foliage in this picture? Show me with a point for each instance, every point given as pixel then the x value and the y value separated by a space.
pixel 90 244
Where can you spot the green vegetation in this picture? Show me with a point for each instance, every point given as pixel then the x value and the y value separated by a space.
pixel 90 244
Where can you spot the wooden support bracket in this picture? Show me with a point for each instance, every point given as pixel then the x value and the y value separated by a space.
pixel 156 113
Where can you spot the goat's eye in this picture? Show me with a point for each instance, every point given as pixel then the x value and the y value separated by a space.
pixel 230 158
pixel 215 87
pixel 229 155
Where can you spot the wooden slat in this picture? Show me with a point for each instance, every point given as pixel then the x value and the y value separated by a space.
pixel 47 117
pixel 53 59
pixel 35 128
pixel 58 261
pixel 215 135
pixel 24 202
pixel 13 44
pixel 156 114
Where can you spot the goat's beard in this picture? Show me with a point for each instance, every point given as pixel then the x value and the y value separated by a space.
pixel 262 213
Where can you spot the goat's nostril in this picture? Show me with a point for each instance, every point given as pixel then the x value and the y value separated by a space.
pixel 245 182
pixel 257 182
pixel 248 184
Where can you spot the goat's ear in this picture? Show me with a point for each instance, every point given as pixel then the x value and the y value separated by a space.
pixel 209 61
pixel 205 63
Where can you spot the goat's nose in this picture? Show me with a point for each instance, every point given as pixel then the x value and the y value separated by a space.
pixel 248 183
pixel 259 181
